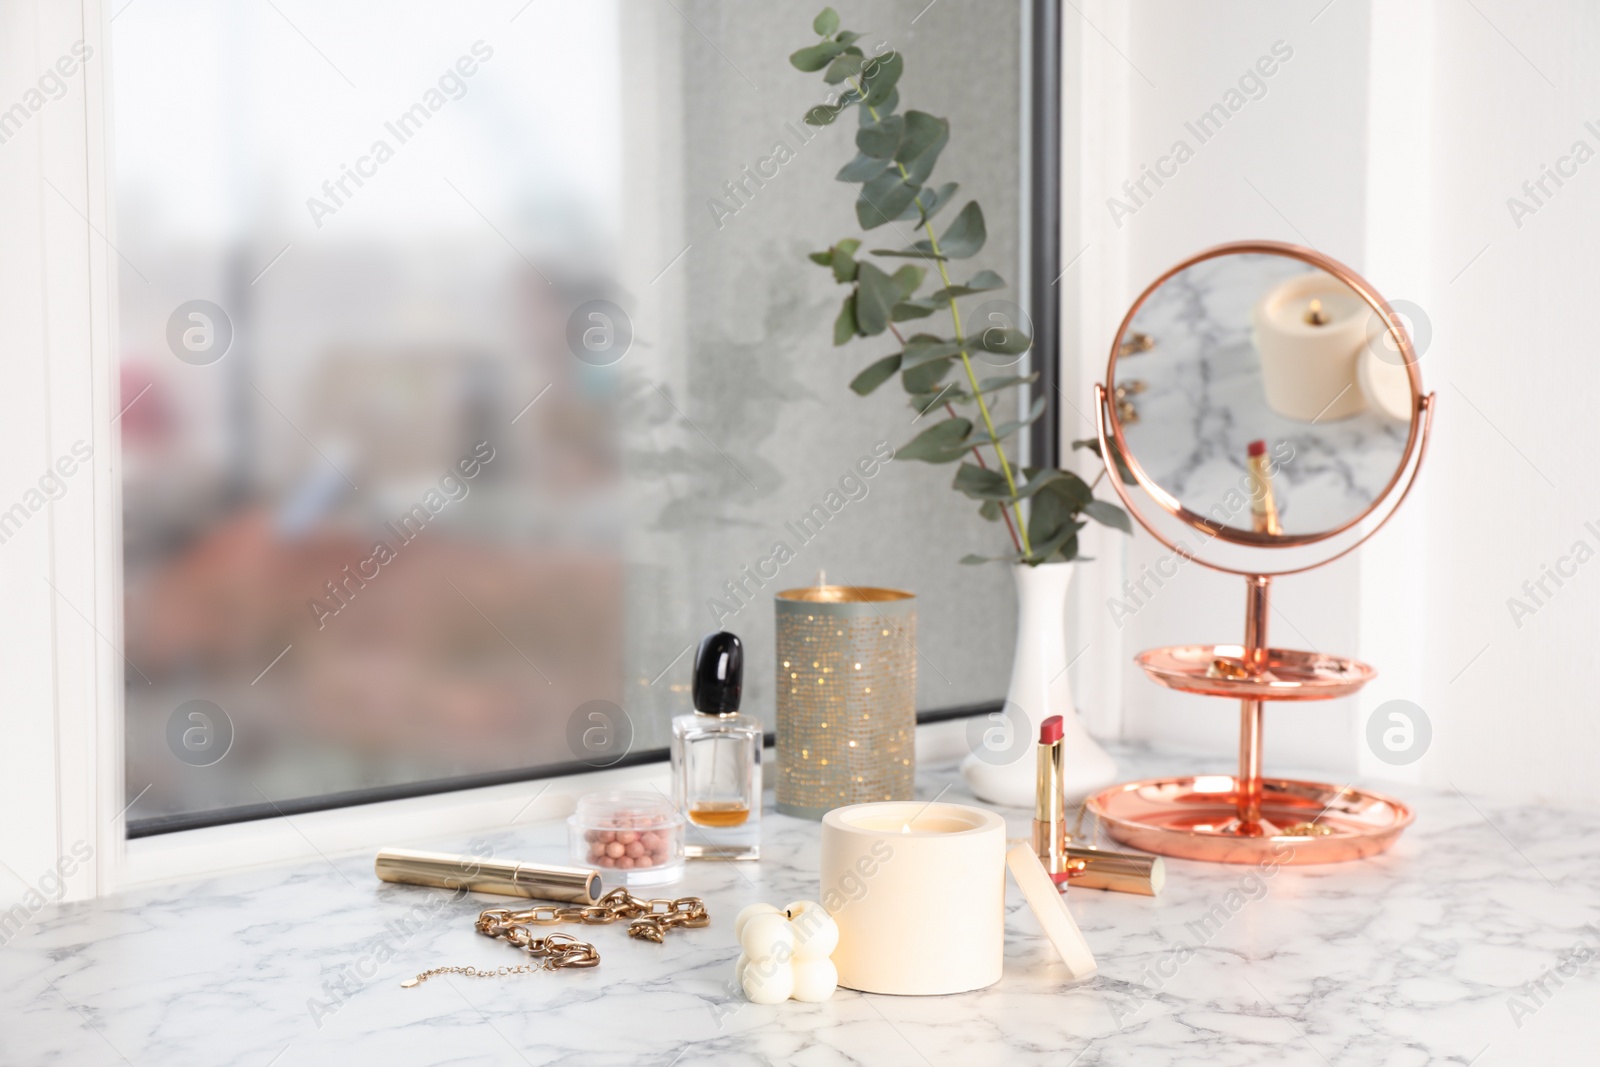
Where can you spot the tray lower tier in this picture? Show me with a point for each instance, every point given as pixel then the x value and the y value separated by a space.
pixel 1302 822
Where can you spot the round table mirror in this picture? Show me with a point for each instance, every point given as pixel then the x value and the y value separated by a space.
pixel 1264 394
pixel 1268 397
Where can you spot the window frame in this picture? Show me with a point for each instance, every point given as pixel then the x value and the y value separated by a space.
pixel 70 766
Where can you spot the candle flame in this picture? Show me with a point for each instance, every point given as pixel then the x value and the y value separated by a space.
pixel 1314 313
pixel 905 828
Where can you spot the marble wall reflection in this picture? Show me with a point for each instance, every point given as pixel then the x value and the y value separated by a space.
pixel 1203 402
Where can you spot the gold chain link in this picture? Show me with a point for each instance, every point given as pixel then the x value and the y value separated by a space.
pixel 648 920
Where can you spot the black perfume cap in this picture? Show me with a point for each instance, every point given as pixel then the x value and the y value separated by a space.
pixel 718 674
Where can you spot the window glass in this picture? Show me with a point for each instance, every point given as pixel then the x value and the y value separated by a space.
pixel 469 379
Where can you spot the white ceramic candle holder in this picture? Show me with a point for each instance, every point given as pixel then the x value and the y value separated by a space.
pixel 918 892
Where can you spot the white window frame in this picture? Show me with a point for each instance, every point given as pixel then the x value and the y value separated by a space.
pixel 61 630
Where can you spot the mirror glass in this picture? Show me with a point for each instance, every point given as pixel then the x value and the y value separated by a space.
pixel 1264 394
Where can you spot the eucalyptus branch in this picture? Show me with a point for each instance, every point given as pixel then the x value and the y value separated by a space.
pixel 896 157
pixel 977 453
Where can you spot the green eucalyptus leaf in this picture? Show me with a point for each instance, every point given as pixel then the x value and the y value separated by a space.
pixel 881 109
pixel 933 203
pixel 881 139
pixel 875 375
pixel 817 56
pixel 907 279
pixel 1036 478
pixel 924 348
pixel 1108 514
pixel 844 263
pixel 922 403
pixel 925 137
pixel 826 23
pixel 943 442
pixel 925 379
pixel 823 114
pixel 1066 486
pixel 863 168
pixel 973 559
pixel 980 483
pixel 844 327
pixel 911 309
pixel 847 65
pixel 1006 429
pixel 878 78
pixel 847 37
pixel 1049 517
pixel 990 509
pixel 823 258
pixel 997 385
pixel 966 234
pixel 882 199
pixel 916 251
pixel 1065 543
pixel 876 293
pixel 983 282
pixel 1002 341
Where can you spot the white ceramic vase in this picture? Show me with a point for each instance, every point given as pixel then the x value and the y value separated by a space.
pixel 1002 771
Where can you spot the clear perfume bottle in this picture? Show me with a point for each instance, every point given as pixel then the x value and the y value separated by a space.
pixel 716 758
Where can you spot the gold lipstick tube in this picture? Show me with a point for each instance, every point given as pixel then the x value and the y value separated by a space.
pixel 1122 872
pixel 1049 803
pixel 1263 505
pixel 535 881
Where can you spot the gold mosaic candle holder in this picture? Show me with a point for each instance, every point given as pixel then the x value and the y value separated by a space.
pixel 847 689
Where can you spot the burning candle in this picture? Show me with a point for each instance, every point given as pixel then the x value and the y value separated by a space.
pixel 918 892
pixel 1309 331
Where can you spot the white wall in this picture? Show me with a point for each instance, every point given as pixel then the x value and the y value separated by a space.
pixel 1391 141
pixel 1515 481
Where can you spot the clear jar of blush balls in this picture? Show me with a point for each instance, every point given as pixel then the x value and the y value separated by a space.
pixel 630 838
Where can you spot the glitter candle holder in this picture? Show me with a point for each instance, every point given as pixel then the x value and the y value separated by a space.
pixel 847 688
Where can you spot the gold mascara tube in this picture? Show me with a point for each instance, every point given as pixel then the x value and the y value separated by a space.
pixel 536 881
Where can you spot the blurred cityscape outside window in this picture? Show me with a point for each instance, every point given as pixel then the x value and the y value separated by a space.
pixel 453 403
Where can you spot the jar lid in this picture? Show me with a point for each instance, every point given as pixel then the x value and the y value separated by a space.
pixel 631 810
pixel 1046 902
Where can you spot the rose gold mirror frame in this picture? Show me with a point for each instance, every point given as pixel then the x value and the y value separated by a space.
pixel 1109 426
pixel 1184 817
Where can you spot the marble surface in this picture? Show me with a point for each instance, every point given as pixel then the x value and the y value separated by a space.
pixel 1421 956
pixel 1204 403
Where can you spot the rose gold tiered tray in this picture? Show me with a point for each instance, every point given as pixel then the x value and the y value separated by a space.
pixel 1246 818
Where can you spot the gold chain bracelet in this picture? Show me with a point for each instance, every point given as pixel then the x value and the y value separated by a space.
pixel 648 920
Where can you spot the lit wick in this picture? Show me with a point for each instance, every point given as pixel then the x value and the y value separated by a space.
pixel 1315 315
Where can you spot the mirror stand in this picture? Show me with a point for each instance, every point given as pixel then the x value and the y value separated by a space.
pixel 1247 817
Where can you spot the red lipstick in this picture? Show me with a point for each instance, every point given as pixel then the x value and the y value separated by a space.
pixel 1049 802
